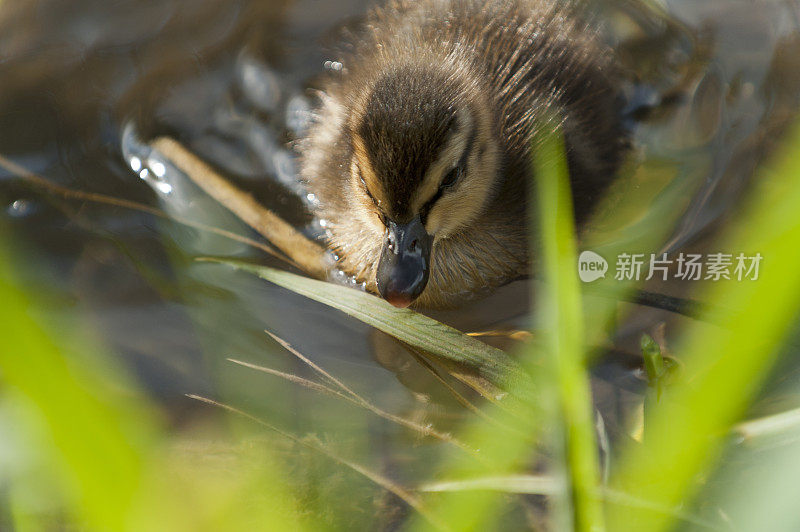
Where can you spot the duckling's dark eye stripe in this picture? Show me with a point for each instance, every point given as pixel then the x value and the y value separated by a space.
pixel 426 209
pixel 370 196
pixel 366 188
pixel 462 165
pixel 462 162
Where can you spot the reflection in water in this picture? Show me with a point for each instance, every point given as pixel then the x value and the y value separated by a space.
pixel 85 81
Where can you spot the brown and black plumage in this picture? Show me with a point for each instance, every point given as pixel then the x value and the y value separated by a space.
pixel 420 150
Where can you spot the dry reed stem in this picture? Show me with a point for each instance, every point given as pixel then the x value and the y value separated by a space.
pixel 308 255
pixel 424 430
pixel 330 378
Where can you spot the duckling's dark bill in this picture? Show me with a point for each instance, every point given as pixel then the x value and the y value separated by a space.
pixel 405 262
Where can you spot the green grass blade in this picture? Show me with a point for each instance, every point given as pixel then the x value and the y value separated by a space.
pixel 560 318
pixel 531 484
pixel 406 325
pixel 91 451
pixel 508 453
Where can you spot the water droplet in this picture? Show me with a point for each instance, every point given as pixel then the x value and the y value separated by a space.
pixel 284 166
pixel 20 208
pixel 163 187
pixel 338 276
pixel 158 168
pixel 144 174
pixel 298 114
pixel 136 164
pixel 259 84
pixel 312 200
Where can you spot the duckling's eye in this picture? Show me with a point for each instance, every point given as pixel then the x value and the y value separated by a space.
pixel 366 188
pixel 378 210
pixel 451 178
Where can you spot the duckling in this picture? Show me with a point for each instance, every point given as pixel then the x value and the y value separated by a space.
pixel 420 150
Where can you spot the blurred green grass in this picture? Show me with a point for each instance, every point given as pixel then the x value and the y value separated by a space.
pixel 89 451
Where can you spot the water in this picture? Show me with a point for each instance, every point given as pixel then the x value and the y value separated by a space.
pixel 85 81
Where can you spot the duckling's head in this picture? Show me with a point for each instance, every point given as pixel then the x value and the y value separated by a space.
pixel 424 165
